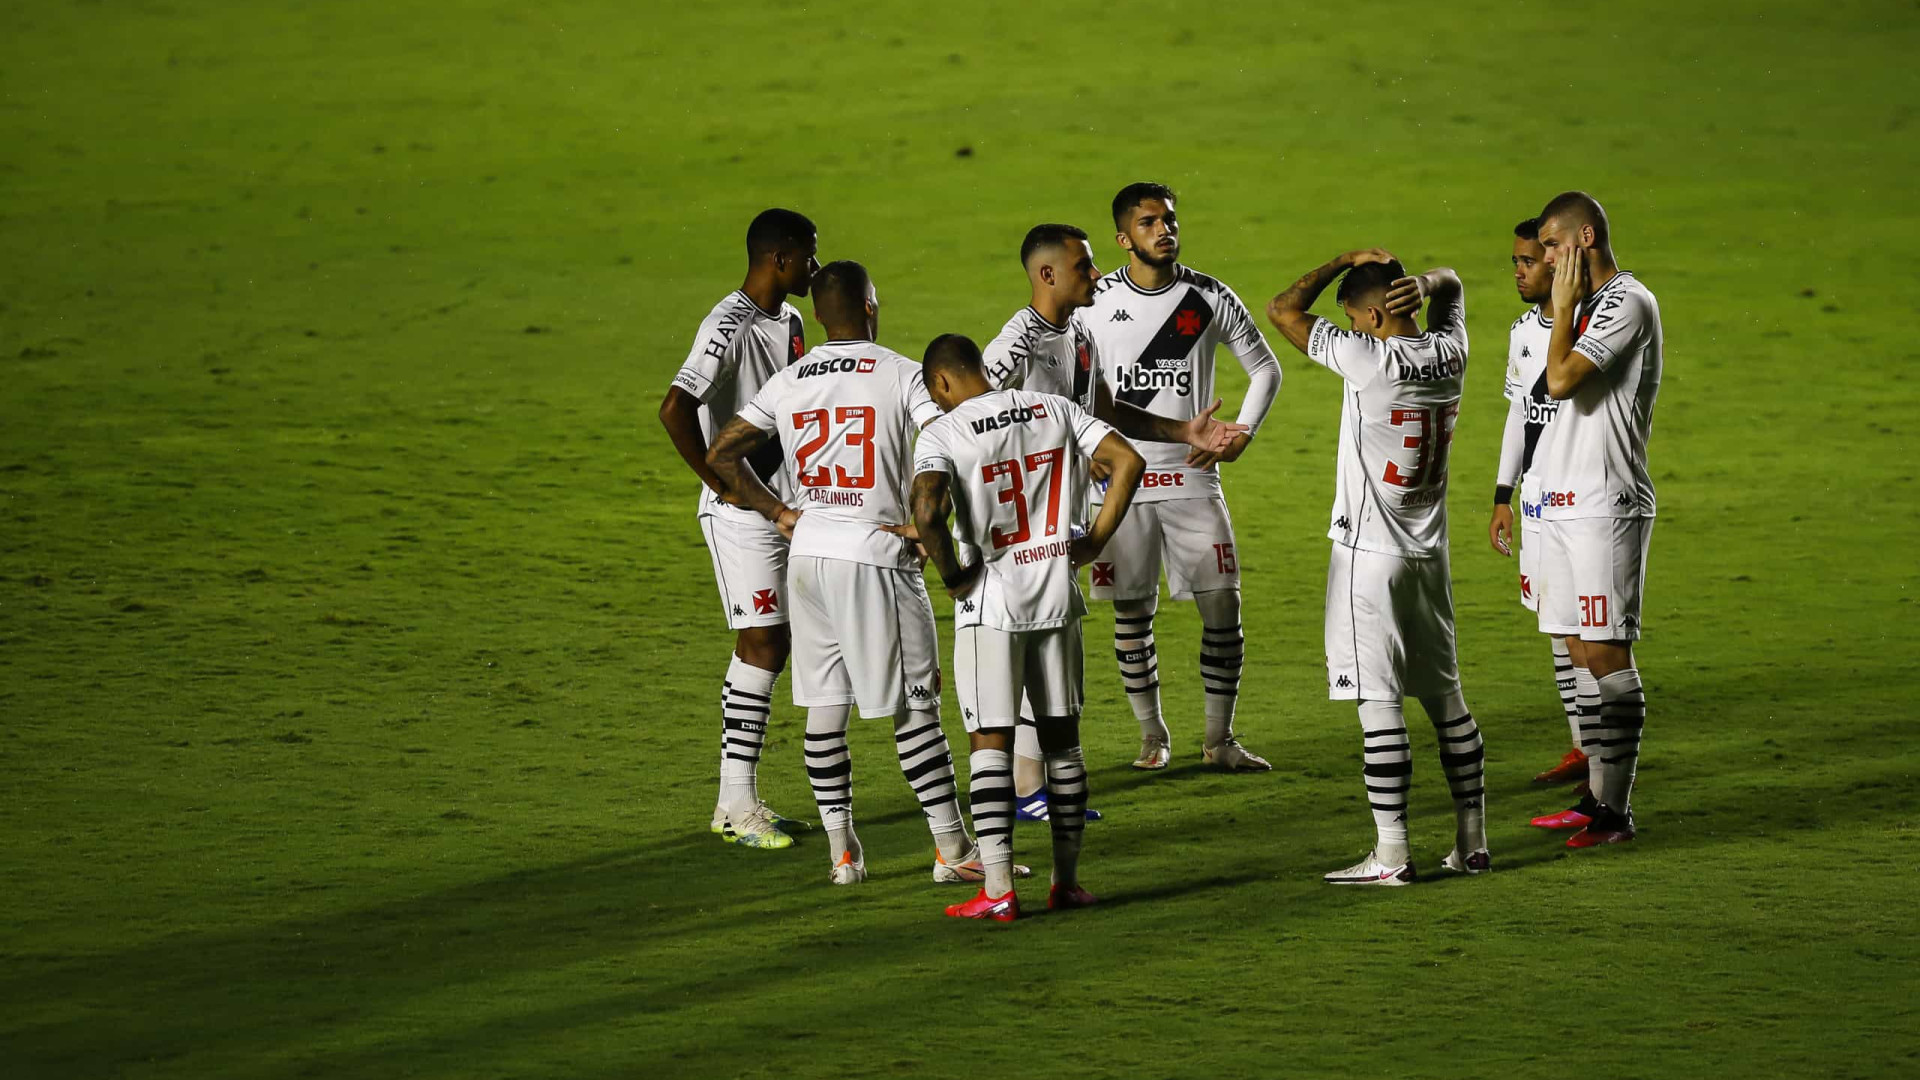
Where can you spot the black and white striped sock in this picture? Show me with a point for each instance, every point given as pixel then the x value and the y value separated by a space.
pixel 1067 782
pixel 1623 705
pixel 1387 762
pixel 1222 651
pixel 1139 664
pixel 928 766
pixel 990 782
pixel 830 771
pixel 1569 694
pixel 1592 729
pixel 1463 758
pixel 746 702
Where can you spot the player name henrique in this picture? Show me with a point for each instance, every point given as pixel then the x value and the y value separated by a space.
pixel 1051 550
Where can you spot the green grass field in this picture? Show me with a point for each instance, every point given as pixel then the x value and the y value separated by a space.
pixel 359 653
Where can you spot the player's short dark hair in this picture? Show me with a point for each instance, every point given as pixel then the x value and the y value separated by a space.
pixel 952 352
pixel 777 230
pixel 1044 236
pixel 1578 208
pixel 840 290
pixel 1528 229
pixel 1368 280
pixel 1133 195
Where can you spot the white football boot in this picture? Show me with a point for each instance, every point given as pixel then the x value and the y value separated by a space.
pixel 1154 753
pixel 1230 756
pixel 1371 871
pixel 849 870
pixel 1476 862
pixel 968 868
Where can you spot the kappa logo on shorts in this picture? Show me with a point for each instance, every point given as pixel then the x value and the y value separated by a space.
pixel 739 612
pixel 1121 316
pixel 1630 623
pixel 1103 573
pixel 920 693
pixel 765 602
pixel 1343 682
pixel 1623 499
pixel 1342 523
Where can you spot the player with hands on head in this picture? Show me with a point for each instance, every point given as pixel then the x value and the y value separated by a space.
pixel 1389 612
pixel 1605 357
pixel 1156 326
pixel 1047 347
pixel 747 337
pixel 845 416
pixel 1009 467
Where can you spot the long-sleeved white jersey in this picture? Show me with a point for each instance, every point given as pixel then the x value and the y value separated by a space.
pixel 1155 349
pixel 1595 452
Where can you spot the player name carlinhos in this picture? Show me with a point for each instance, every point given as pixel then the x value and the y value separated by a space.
pixel 811 368
pixel 1053 549
pixel 1008 417
pixel 833 497
pixel 1442 369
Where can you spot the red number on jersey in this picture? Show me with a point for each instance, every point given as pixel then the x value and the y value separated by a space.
pixel 1431 444
pixel 859 432
pixel 1014 493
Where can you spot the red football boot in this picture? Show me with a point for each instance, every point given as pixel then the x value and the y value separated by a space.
pixel 1606 827
pixel 1070 897
pixel 998 908
pixel 1572 767
pixel 1576 816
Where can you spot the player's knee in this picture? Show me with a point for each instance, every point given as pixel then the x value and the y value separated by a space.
pixel 1058 734
pixel 1606 657
pixel 1218 607
pixel 1143 608
pixel 764 647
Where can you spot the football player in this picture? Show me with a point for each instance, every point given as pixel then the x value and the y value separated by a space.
pixel 1389 626
pixel 1529 410
pixel 1008 466
pixel 1155 326
pixel 748 336
pixel 845 415
pixel 1604 361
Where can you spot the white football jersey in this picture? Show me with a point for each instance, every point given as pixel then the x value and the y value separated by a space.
pixel 1526 384
pixel 1032 354
pixel 1155 351
pixel 1017 462
pixel 845 415
pixel 1396 426
pixel 738 348
pixel 1596 451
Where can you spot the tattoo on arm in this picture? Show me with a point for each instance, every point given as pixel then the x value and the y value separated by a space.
pixel 1289 310
pixel 727 457
pixel 930 508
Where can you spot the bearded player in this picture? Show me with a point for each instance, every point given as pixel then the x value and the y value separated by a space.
pixel 1047 348
pixel 1604 362
pixel 1155 325
pixel 1530 410
pixel 1009 466
pixel 1389 629
pixel 845 416
pixel 743 341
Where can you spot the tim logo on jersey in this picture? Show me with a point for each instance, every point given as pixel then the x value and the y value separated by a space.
pixel 1166 363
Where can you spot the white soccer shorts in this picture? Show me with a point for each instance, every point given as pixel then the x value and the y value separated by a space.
pixel 1192 538
pixel 1530 542
pixel 991 668
pixel 862 635
pixel 1389 627
pixel 750 566
pixel 1592 574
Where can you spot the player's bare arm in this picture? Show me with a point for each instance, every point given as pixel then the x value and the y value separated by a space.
pixel 1291 312
pixel 680 415
pixel 1439 284
pixel 1124 467
pixel 727 458
pixel 1567 369
pixel 932 500
pixel 1207 438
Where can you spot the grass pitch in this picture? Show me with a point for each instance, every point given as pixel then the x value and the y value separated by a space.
pixel 358 652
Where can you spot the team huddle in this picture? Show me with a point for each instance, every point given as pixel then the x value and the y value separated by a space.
pixel 1085 434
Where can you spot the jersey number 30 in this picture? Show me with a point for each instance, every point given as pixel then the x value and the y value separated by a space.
pixel 815 431
pixel 1015 492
